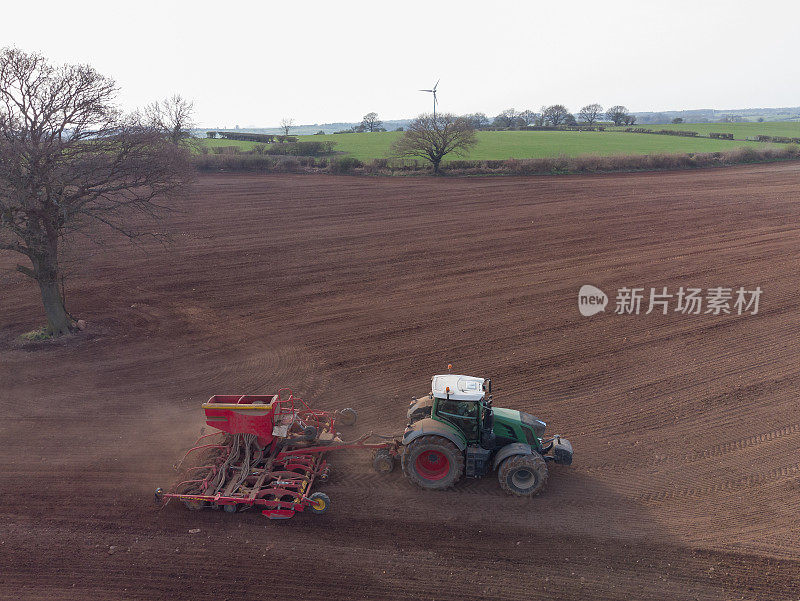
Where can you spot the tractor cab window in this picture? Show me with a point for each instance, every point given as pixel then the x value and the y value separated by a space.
pixel 462 414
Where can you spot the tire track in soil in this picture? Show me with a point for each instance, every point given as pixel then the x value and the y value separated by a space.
pixel 718 450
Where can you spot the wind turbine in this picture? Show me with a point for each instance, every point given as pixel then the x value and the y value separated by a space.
pixel 433 91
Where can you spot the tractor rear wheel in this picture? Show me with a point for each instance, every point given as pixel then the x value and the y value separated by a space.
pixel 433 462
pixel 523 475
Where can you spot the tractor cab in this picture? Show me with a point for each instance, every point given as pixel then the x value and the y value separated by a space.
pixel 464 403
pixel 460 401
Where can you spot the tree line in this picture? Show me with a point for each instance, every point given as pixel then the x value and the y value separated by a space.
pixel 555 115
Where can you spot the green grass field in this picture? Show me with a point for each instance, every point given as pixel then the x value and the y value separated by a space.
pixel 532 144
pixel 740 131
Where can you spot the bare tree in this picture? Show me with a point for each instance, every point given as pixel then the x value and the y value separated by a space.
pixel 478 120
pixel 172 116
pixel 555 114
pixel 71 162
pixel 509 118
pixel 432 138
pixel 528 117
pixel 370 122
pixel 286 125
pixel 618 114
pixel 590 113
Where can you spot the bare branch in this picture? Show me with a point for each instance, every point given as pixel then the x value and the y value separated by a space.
pixel 27 271
pixel 173 117
pixel 286 125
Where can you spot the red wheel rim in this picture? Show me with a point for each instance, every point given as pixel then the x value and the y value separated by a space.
pixel 432 465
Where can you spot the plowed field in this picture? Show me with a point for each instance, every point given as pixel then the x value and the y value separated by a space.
pixel 353 292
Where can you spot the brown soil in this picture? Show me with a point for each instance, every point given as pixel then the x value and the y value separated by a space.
pixel 686 481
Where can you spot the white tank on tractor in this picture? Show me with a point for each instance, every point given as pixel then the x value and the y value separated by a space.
pixel 458 388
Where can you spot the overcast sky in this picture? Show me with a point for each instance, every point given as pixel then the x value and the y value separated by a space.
pixel 252 63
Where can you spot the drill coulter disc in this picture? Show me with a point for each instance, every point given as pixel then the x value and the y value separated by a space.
pixel 347 417
pixel 382 461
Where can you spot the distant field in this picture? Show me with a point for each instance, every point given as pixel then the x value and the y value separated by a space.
pixel 538 144
pixel 529 144
pixel 788 129
pixel 218 142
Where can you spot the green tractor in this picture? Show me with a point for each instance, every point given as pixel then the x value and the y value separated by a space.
pixel 455 431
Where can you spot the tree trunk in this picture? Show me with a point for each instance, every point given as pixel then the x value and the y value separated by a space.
pixel 58 322
pixel 45 271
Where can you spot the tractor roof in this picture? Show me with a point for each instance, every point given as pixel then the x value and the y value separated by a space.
pixel 459 388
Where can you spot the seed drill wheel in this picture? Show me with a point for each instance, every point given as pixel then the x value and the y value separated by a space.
pixel 433 462
pixel 320 502
pixel 347 417
pixel 523 475
pixel 382 461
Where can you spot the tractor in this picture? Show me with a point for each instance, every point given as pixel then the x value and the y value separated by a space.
pixel 454 431
pixel 269 451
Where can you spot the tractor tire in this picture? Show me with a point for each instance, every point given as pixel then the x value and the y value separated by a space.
pixel 347 417
pixel 523 475
pixel 433 462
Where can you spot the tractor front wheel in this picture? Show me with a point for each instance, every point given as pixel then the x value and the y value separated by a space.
pixel 432 462
pixel 523 475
